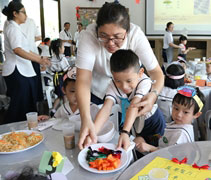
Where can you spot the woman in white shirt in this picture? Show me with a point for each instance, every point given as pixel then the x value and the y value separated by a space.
pixel 113 31
pixel 17 68
pixel 168 44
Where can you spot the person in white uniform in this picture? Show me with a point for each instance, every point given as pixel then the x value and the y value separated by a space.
pixel 77 35
pixel 111 32
pixel 168 44
pixel 33 34
pixel 66 37
pixel 187 106
pixel 17 69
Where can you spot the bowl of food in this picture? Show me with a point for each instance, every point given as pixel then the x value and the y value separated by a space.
pixel 107 132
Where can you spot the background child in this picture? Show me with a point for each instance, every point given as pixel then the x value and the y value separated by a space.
pixel 59 65
pixel 173 79
pixel 129 85
pixel 187 106
pixel 183 50
pixel 208 69
pixel 69 108
pixel 44 47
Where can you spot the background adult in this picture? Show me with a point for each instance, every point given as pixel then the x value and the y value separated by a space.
pixel 33 34
pixel 111 32
pixel 17 69
pixel 168 44
pixel 77 35
pixel 66 37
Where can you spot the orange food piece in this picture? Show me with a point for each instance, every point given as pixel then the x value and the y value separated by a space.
pixel 105 164
pixel 200 82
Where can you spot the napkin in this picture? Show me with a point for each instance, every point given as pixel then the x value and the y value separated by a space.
pixel 46 124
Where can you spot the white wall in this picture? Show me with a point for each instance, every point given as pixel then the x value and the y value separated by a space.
pixel 68 11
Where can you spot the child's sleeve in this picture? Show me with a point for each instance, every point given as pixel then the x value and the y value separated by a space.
pixel 143 87
pixel 110 93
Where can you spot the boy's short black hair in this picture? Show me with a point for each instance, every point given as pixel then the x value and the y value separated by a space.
pixel 124 59
pixel 174 70
pixel 189 101
pixel 182 38
pixel 66 23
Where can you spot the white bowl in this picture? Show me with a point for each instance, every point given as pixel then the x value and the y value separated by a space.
pixel 107 133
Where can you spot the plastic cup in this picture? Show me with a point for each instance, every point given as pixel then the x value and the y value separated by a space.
pixel 68 130
pixel 32 120
pixel 158 174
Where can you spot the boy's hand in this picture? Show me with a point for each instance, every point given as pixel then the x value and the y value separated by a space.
pixel 124 141
pixel 144 147
pixel 43 118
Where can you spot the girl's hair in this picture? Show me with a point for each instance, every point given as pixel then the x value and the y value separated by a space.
pixel 55 45
pixel 182 38
pixel 46 40
pixel 174 70
pixel 12 6
pixel 113 13
pixel 189 101
pixel 28 174
pixel 168 25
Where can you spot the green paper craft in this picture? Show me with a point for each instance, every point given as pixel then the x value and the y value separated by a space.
pixel 46 163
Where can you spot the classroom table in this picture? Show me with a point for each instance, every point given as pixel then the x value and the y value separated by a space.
pixel 197 152
pixel 53 142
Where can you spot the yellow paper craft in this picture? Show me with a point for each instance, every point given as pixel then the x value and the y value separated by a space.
pixel 176 171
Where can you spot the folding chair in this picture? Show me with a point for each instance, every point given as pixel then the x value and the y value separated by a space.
pixel 48 88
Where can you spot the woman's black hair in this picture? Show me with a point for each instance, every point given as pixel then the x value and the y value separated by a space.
pixel 174 70
pixel 182 38
pixel 28 174
pixel 124 59
pixel 168 25
pixel 113 13
pixel 189 101
pixel 12 6
pixel 55 45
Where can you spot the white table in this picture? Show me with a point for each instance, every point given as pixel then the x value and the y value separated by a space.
pixel 197 152
pixel 53 142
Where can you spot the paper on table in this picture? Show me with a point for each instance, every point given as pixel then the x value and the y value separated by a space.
pixel 176 171
pixel 67 166
pixel 46 124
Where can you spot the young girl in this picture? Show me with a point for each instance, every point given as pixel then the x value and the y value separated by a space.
pixel 187 106
pixel 182 52
pixel 58 67
pixel 174 78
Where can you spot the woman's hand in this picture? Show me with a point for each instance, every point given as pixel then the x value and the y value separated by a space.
pixel 124 141
pixel 87 130
pixel 45 62
pixel 146 103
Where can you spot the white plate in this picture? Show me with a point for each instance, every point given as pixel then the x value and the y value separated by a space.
pixel 83 163
pixel 27 132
